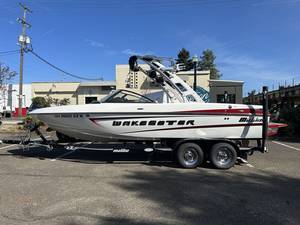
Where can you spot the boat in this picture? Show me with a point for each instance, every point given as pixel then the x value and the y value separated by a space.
pixel 193 129
pixel 125 115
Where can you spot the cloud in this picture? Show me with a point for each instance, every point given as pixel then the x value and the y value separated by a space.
pixel 243 61
pixel 129 51
pixel 106 49
pixel 47 32
pixel 275 2
pixel 252 69
pixel 111 52
pixel 245 66
pixel 11 22
pixel 94 43
pixel 254 72
pixel 237 65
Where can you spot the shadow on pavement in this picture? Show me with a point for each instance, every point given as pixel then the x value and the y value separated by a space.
pixel 214 199
pixel 199 197
pixel 286 139
pixel 97 157
pixel 156 159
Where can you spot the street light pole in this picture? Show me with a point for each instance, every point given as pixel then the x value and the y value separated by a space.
pixel 195 62
pixel 195 76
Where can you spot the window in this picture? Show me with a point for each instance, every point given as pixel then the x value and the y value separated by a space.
pixel 190 98
pixel 107 88
pixel 230 98
pixel 179 85
pixel 90 100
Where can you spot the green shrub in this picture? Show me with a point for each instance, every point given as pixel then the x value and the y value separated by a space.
pixel 40 102
pixel 291 116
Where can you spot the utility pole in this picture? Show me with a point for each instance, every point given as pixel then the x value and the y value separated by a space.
pixel 24 40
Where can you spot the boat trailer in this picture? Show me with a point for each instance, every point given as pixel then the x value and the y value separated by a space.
pixel 186 158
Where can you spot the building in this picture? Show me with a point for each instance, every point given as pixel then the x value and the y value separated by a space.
pixel 76 92
pixel 289 95
pixel 230 91
pixel 210 90
pixel 9 99
pixel 134 81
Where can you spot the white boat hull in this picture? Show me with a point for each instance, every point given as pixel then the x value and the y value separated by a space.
pixel 117 121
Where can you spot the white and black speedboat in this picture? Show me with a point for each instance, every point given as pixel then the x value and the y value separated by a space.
pixel 192 129
pixel 125 115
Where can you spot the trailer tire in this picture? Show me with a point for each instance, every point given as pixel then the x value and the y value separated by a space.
pixel 223 155
pixel 190 155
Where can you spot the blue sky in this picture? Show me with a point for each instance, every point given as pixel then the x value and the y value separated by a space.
pixel 257 41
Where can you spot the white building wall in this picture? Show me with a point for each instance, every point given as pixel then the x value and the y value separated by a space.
pixel 10 97
pixel 2 100
pixel 26 96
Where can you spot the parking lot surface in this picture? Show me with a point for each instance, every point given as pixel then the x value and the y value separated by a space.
pixel 88 187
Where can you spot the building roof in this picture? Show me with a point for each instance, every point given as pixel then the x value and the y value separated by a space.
pixel 225 83
pixel 98 83
pixel 81 84
pixel 73 82
pixel 233 81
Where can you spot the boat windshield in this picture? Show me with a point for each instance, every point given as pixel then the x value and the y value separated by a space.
pixel 124 96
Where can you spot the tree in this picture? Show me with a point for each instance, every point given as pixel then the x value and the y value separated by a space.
pixel 64 101
pixel 252 93
pixel 39 102
pixel 250 97
pixel 207 62
pixel 183 57
pixel 56 101
pixel 52 101
pixel 5 76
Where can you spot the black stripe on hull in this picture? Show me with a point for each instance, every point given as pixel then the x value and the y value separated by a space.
pixel 123 114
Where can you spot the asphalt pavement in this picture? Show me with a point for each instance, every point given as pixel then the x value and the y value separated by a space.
pixel 87 187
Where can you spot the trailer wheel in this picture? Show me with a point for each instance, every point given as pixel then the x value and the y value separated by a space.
pixel 190 155
pixel 223 155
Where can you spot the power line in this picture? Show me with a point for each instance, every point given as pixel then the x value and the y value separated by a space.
pixel 8 54
pixel 59 69
pixel 11 51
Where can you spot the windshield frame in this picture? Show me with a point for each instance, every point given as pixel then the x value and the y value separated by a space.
pixel 107 99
